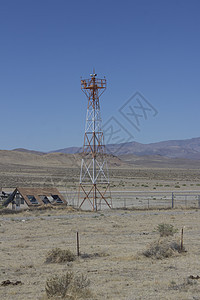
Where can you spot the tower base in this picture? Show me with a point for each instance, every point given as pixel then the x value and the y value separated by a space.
pixel 93 196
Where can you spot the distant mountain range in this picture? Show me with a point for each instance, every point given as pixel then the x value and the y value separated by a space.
pixel 189 148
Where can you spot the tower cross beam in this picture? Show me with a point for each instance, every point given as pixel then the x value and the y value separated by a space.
pixel 94 177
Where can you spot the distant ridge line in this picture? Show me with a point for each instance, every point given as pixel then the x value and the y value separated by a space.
pixel 188 148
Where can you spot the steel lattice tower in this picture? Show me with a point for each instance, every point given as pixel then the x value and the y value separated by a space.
pixel 94 177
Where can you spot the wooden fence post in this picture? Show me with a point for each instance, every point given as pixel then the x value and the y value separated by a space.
pixel 182 239
pixel 172 200
pixel 77 244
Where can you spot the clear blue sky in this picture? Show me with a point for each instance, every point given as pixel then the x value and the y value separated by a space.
pixel 148 46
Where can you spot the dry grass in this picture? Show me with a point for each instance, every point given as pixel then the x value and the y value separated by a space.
pixel 187 283
pixel 35 171
pixel 57 255
pixel 68 286
pixel 163 248
pixel 121 274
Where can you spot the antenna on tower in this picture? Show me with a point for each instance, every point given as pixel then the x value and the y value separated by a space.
pixel 94 184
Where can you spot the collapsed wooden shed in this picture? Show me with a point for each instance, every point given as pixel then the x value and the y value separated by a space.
pixel 22 198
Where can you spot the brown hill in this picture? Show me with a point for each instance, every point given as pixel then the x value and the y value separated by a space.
pixel 62 160
pixel 26 158
pixel 158 161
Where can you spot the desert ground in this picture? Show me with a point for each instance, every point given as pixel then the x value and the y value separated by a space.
pixel 113 243
pixel 126 173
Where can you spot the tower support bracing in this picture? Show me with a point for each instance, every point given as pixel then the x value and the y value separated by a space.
pixel 94 187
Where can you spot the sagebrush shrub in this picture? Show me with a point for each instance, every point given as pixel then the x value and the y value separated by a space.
pixel 163 248
pixel 68 286
pixel 57 255
pixel 58 285
pixel 166 229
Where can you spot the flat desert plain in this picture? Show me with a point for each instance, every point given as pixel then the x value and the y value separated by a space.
pixel 126 173
pixel 113 242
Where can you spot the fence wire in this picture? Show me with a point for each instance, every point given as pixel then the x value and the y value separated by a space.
pixel 141 199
